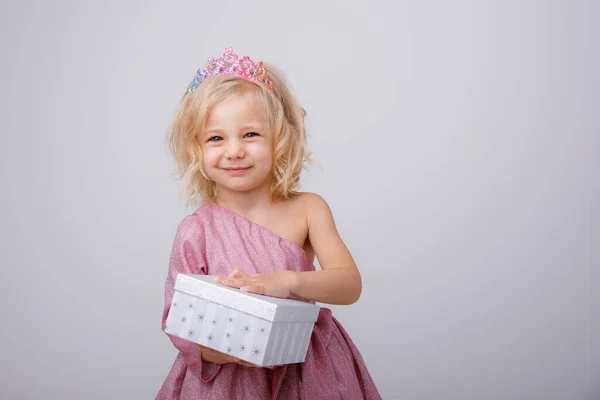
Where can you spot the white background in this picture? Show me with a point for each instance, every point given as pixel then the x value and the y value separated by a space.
pixel 456 142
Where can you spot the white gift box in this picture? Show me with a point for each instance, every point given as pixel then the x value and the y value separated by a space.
pixel 259 329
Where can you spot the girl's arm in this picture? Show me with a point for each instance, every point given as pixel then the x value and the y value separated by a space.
pixel 339 282
pixel 187 258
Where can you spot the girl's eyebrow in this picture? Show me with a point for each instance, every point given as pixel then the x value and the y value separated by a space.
pixel 252 125
pixel 213 130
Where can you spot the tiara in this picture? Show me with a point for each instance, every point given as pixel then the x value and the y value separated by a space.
pixel 230 64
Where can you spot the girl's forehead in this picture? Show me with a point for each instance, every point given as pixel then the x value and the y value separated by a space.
pixel 238 105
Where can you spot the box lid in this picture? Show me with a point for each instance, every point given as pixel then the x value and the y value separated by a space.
pixel 265 307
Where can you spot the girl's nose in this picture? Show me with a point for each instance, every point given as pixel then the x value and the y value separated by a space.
pixel 234 149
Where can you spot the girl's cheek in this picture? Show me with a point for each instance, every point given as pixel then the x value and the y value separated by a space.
pixel 210 155
pixel 262 150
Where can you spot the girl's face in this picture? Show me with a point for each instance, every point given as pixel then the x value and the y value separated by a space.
pixel 237 145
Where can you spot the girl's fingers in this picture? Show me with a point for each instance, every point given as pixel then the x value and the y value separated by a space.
pixel 237 273
pixel 234 274
pixel 254 288
pixel 239 282
pixel 231 282
pixel 245 364
pixel 232 279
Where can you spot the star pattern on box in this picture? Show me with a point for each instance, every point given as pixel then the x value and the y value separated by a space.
pixel 224 328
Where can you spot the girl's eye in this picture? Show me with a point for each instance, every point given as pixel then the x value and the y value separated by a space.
pixel 215 139
pixel 251 134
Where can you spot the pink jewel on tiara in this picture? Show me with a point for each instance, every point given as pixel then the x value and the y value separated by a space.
pixel 230 64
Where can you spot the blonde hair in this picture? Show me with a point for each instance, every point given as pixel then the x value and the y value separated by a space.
pixel 285 118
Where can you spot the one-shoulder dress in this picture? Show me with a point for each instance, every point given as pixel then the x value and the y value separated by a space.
pixel 214 241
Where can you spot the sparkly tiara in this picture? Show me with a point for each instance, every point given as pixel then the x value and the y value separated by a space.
pixel 230 64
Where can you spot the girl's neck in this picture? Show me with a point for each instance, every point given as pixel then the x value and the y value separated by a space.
pixel 245 203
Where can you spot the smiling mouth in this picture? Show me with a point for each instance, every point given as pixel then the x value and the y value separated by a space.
pixel 236 170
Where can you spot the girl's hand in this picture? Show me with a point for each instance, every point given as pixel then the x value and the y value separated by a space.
pixel 217 357
pixel 278 284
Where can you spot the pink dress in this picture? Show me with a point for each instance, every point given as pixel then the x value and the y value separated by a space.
pixel 214 241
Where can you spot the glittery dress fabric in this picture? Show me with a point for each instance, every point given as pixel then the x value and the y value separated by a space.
pixel 214 241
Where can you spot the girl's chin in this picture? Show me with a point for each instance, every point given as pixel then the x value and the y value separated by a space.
pixel 238 186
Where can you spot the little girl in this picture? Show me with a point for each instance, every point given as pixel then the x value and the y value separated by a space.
pixel 239 142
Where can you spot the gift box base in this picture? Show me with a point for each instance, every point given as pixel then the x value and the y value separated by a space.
pixel 247 337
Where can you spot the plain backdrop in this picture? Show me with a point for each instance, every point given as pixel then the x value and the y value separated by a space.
pixel 457 144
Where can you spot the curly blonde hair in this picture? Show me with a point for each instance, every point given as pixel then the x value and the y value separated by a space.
pixel 285 118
